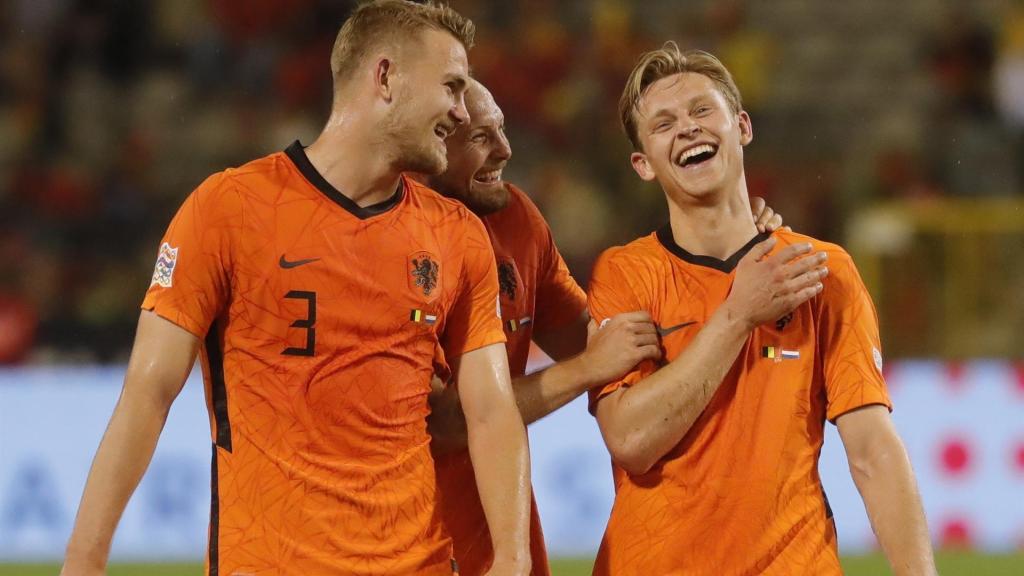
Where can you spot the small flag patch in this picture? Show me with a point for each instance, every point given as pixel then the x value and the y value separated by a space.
pixel 421 316
pixel 514 325
pixel 778 354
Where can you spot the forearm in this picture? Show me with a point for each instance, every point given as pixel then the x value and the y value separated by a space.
pixel 537 395
pixel 541 393
pixel 886 483
pixel 652 416
pixel 501 461
pixel 122 458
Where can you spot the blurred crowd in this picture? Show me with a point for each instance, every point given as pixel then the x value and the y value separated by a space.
pixel 111 112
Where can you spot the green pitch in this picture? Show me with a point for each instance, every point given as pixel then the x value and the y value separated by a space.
pixel 950 564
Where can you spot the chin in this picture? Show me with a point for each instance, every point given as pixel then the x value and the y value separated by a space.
pixel 488 201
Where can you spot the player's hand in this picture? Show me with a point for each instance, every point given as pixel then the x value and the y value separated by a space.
pixel 767 288
pixel 765 218
pixel 622 342
pixel 446 423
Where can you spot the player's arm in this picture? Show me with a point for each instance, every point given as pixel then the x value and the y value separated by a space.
pixel 499 452
pixel 612 352
pixel 643 422
pixel 161 360
pixel 881 470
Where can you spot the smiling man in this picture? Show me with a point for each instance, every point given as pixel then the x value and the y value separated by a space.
pixel 715 446
pixel 318 285
pixel 541 302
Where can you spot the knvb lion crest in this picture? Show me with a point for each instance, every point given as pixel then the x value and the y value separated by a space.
pixel 507 281
pixel 424 273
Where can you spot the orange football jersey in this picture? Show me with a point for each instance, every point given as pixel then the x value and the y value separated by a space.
pixel 320 321
pixel 537 292
pixel 740 494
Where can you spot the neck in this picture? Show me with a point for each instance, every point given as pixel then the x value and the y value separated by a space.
pixel 717 228
pixel 352 160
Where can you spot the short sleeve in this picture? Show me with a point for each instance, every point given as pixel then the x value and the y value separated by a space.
pixel 474 320
pixel 610 294
pixel 849 341
pixel 560 300
pixel 191 278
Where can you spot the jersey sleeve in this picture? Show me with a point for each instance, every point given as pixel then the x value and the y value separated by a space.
pixel 191 279
pixel 474 320
pixel 851 347
pixel 560 300
pixel 610 294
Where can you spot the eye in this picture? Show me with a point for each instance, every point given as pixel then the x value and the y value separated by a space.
pixel 702 110
pixel 662 126
pixel 479 138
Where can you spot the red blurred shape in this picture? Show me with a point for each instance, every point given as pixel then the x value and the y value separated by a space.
pixel 955 457
pixel 1018 456
pixel 18 322
pixel 955 375
pixel 956 533
pixel 1019 369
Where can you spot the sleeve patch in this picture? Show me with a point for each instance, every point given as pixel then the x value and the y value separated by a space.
pixel 163 273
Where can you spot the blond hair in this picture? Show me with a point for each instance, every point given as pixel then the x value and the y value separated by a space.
pixel 668 61
pixel 389 22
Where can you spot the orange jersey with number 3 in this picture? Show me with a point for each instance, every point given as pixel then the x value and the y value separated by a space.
pixel 740 494
pixel 537 293
pixel 320 322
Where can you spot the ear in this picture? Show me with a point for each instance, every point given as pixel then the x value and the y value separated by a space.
pixel 383 79
pixel 641 166
pixel 746 128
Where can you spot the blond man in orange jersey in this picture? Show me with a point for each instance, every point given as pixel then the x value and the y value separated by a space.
pixel 541 302
pixel 319 285
pixel 715 445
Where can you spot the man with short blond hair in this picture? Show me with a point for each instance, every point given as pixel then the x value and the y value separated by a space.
pixel 715 446
pixel 322 289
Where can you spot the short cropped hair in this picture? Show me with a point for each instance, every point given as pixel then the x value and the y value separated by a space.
pixel 388 22
pixel 668 61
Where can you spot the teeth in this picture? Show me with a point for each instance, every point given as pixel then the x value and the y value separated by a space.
pixel 488 177
pixel 690 153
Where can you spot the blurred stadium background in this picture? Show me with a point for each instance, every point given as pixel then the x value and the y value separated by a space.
pixel 893 128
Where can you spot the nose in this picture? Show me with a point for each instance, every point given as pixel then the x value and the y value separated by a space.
pixel 502 150
pixel 688 129
pixel 459 112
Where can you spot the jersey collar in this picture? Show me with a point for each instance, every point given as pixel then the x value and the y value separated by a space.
pixel 728 265
pixel 297 153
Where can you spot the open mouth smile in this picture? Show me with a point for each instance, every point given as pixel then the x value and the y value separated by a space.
pixel 696 155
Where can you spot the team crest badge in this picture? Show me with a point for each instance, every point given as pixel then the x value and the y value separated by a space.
pixel 508 280
pixel 163 273
pixel 424 274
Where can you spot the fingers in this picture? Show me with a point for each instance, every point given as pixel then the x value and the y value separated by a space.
pixel 790 252
pixel 637 316
pixel 650 352
pixel 797 267
pixel 757 208
pixel 808 278
pixel 774 223
pixel 761 249
pixel 646 339
pixel 799 297
pixel 766 216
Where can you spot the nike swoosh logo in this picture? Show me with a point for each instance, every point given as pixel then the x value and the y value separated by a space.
pixel 294 263
pixel 670 329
